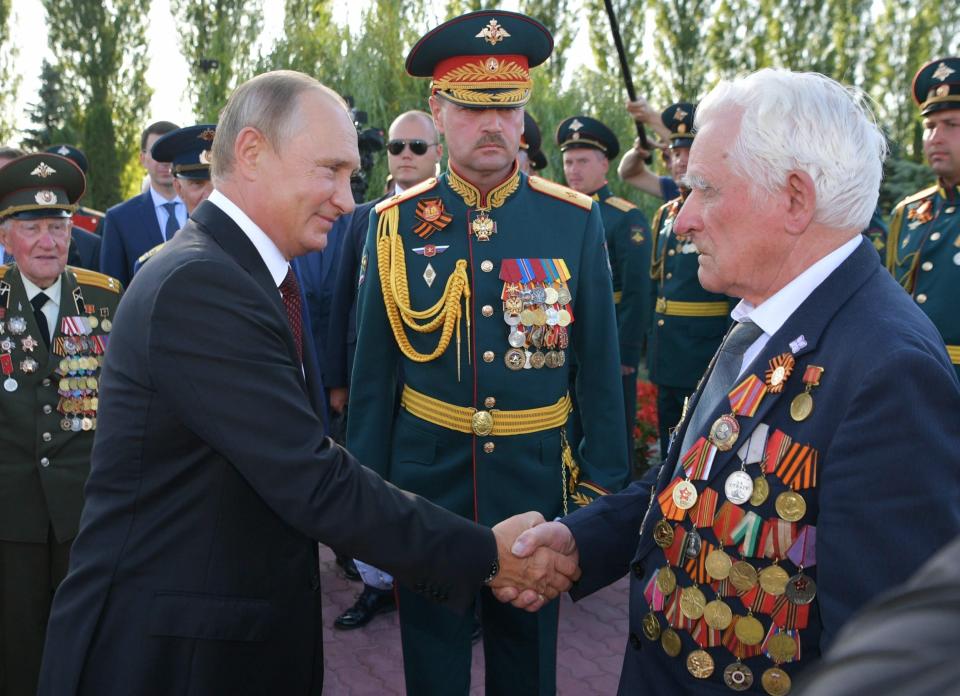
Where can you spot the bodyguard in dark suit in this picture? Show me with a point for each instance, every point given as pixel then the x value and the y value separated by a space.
pixel 195 569
pixel 813 469
pixel 140 223
pixel 55 322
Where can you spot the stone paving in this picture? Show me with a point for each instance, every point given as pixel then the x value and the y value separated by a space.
pixel 367 661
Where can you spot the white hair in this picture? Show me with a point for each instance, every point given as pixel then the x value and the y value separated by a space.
pixel 805 122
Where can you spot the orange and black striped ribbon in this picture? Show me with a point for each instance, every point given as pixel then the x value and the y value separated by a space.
pixel 667 506
pixel 696 568
pixel 431 216
pixel 798 468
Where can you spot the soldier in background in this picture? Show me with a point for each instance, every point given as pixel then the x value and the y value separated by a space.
pixel 531 155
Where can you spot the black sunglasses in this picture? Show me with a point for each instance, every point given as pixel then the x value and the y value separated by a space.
pixel 417 147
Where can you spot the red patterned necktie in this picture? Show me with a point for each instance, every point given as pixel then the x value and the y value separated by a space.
pixel 290 291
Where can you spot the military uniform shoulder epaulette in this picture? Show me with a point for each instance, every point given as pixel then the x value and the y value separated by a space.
pixel 97 280
pixel 620 203
pixel 3 270
pixel 144 257
pixel 918 196
pixel 555 190
pixel 90 211
pixel 422 187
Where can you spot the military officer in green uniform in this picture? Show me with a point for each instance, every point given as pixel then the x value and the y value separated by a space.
pixel 923 247
pixel 531 155
pixel 688 321
pixel 588 146
pixel 478 288
pixel 54 327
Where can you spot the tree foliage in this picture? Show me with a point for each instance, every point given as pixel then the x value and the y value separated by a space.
pixel 100 49
pixel 217 39
pixel 53 113
pixel 9 77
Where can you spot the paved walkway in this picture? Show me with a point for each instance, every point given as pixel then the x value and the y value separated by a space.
pixel 367 661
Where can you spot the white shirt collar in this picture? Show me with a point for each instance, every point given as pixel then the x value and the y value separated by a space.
pixel 53 292
pixel 773 313
pixel 397 188
pixel 159 200
pixel 276 263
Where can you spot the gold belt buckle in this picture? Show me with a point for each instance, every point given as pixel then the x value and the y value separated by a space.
pixel 661 305
pixel 482 423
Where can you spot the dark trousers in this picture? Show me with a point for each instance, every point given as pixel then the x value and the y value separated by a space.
pixel 519 648
pixel 29 575
pixel 669 409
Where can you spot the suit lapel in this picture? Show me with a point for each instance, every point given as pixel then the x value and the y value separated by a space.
pixel 149 223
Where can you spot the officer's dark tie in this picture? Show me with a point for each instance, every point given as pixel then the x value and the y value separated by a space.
pixel 172 224
pixel 290 291
pixel 722 379
pixel 38 301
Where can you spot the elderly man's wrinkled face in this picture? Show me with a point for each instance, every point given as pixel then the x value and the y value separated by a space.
pixel 39 247
pixel 306 180
pixel 480 142
pixel 738 233
pixel 941 144
pixel 192 192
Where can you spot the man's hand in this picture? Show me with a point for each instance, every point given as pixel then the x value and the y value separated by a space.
pixel 641 112
pixel 338 398
pixel 547 556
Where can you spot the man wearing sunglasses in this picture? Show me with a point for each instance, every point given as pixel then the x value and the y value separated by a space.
pixel 413 153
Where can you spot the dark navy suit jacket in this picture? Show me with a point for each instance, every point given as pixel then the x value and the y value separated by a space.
pixel 130 229
pixel 886 424
pixel 84 249
pixel 195 568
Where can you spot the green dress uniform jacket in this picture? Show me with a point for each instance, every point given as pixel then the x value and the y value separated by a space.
pixel 47 428
pixel 923 254
pixel 688 322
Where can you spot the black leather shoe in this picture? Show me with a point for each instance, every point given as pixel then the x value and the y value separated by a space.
pixel 348 567
pixel 370 603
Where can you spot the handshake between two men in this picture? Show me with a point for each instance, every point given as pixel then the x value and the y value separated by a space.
pixel 538 560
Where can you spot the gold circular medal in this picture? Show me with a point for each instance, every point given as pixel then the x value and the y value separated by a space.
pixel 514 359
pixel 552 359
pixel 724 432
pixel 550 295
pixel 526 317
pixel 718 564
pixel 801 407
pixel 537 360
pixel 86 424
pixel 692 602
pixel 761 491
pixel 94 322
pixel 738 676
pixel 64 384
pixel 651 626
pixel 791 506
pixel 666 580
pixel 776 682
pixel 670 642
pixel 684 495
pixel 781 647
pixel 743 576
pixel 718 615
pixel 539 317
pixel 700 664
pixel 563 318
pixel 64 365
pixel 773 579
pixel 663 534
pixel 563 295
pixel 482 423
pixel 748 630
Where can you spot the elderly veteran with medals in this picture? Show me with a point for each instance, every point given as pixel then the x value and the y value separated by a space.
pixel 816 468
pixel 478 287
pixel 54 324
pixel 923 246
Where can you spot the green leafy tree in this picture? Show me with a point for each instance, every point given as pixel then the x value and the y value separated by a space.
pixel 52 113
pixel 217 39
pixel 9 76
pixel 679 36
pixel 311 41
pixel 101 50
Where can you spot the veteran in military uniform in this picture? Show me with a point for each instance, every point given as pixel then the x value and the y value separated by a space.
pixel 788 505
pixel 188 152
pixel 55 323
pixel 923 247
pixel 478 287
pixel 688 321
pixel 588 146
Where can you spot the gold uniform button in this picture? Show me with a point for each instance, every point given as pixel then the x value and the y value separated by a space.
pixel 486 266
pixel 935 236
pixel 659 322
pixel 488 447
pixel 921 298
pixel 488 356
pixel 927 265
pixel 489 402
pixel 487 310
pixel 671 252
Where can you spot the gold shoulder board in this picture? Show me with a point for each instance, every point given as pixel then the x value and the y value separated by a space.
pixel 918 196
pixel 149 254
pixel 94 279
pixel 620 203
pixel 3 270
pixel 555 190
pixel 409 193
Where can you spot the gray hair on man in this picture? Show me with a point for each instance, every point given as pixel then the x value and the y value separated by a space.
pixel 266 102
pixel 806 122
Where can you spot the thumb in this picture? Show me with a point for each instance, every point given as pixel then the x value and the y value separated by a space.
pixel 550 534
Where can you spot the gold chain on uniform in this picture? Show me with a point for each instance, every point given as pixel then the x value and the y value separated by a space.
pixel 396 295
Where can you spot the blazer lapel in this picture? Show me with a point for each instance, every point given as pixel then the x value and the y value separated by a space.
pixel 149 223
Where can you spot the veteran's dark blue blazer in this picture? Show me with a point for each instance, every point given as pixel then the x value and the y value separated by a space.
pixel 886 425
pixel 129 230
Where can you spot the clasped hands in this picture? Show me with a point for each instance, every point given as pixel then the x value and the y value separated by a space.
pixel 538 561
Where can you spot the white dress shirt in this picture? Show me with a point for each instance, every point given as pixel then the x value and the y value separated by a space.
pixel 51 310
pixel 162 214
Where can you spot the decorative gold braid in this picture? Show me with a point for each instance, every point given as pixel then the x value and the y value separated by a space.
pixel 396 293
pixel 470 96
pixel 471 194
pixel 478 72
pixel 499 195
pixel 656 262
